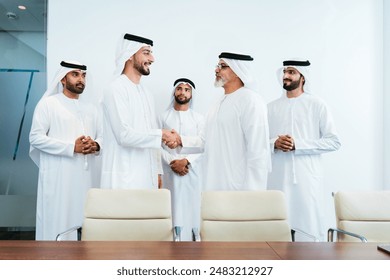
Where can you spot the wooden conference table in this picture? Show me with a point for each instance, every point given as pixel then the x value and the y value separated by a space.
pixel 141 250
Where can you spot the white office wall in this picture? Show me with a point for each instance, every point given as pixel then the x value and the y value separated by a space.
pixel 342 38
pixel 386 90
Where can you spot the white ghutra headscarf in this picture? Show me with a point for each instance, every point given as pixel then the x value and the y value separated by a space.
pixel 66 67
pixel 302 66
pixel 241 66
pixel 128 45
pixel 176 84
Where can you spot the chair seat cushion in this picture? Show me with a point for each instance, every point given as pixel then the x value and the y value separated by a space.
pixel 245 231
pixel 373 231
pixel 122 230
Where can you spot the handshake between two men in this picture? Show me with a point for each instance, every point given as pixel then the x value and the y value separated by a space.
pixel 171 138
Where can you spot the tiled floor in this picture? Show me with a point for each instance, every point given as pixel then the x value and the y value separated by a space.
pixel 17 233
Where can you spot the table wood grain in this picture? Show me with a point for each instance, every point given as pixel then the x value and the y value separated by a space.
pixel 154 250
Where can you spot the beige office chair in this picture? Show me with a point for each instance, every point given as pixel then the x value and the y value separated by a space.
pixel 363 216
pixel 245 216
pixel 141 215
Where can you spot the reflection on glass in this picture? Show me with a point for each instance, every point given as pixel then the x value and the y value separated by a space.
pixel 22 82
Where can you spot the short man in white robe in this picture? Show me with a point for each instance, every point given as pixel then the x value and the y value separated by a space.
pixel 301 129
pixel 236 138
pixel 131 158
pixel 64 138
pixel 182 173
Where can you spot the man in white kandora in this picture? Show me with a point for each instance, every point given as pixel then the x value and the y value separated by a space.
pixel 182 173
pixel 64 138
pixel 236 137
pixel 132 144
pixel 301 129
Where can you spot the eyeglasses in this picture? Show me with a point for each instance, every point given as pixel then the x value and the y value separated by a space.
pixel 221 66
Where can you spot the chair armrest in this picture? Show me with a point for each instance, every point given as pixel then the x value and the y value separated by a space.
pixel 332 230
pixel 295 230
pixel 177 233
pixel 195 234
pixel 62 234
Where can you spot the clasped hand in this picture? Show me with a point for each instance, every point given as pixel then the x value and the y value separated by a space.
pixel 171 138
pixel 285 143
pixel 85 145
pixel 179 166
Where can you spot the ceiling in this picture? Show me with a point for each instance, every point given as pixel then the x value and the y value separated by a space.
pixel 31 20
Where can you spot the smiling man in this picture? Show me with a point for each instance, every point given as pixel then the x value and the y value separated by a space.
pixel 235 139
pixel 301 129
pixel 132 139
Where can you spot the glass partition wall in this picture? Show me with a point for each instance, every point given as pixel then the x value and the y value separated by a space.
pixel 22 82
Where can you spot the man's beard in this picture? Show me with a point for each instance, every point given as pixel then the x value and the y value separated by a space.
pixel 140 68
pixel 219 83
pixel 293 85
pixel 182 101
pixel 74 89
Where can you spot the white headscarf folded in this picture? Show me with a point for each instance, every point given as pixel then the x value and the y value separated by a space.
pixel 56 85
pixel 243 69
pixel 304 70
pixel 125 49
pixel 176 84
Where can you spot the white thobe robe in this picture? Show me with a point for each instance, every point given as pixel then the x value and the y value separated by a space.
pixel 236 143
pixel 131 158
pixel 185 190
pixel 299 173
pixel 64 176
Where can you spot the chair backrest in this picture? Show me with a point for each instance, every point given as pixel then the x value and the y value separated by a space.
pixel 244 216
pixel 140 215
pixel 364 213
